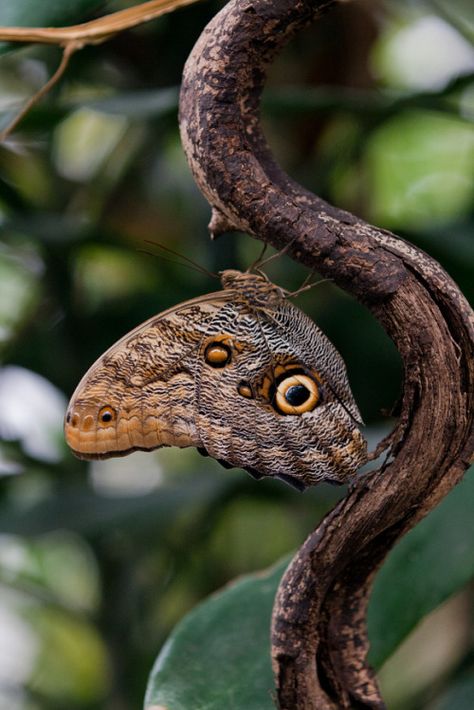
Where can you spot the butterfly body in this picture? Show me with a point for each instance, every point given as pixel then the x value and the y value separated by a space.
pixel 241 374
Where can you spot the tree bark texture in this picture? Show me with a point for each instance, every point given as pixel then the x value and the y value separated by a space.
pixel 319 637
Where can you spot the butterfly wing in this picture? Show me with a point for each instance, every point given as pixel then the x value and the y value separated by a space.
pixel 237 415
pixel 209 374
pixel 140 394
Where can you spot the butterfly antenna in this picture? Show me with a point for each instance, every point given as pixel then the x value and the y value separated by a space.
pixel 258 261
pixel 189 262
pixel 307 281
pixel 170 261
pixel 307 286
pixel 277 254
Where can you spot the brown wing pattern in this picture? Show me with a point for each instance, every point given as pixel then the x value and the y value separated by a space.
pixel 242 374
pixel 249 432
pixel 140 393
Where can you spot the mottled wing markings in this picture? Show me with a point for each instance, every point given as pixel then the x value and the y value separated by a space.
pixel 158 388
pixel 349 405
pixel 129 361
pixel 202 371
pixel 289 442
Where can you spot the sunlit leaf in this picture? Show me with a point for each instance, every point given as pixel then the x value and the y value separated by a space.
pixel 104 273
pixel 420 170
pixel 408 56
pixel 19 291
pixel 72 661
pixel 32 411
pixel 58 566
pixel 84 141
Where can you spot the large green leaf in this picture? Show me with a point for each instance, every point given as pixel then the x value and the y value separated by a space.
pixel 459 697
pixel 218 656
pixel 432 562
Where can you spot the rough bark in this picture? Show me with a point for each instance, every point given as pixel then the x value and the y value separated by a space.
pixel 319 635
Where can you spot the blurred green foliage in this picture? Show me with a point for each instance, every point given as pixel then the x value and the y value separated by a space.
pixel 99 561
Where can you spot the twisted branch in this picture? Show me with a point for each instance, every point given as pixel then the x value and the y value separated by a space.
pixel 319 623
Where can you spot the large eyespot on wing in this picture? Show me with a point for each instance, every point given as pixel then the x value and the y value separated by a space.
pixel 296 393
pixel 290 387
pixel 281 439
pixel 309 345
pixel 217 354
pixel 291 425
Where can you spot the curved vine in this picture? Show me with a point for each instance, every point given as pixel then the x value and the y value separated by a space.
pixel 319 636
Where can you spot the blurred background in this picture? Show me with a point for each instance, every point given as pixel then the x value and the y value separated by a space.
pixel 371 109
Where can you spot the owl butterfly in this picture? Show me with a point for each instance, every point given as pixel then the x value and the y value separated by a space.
pixel 242 374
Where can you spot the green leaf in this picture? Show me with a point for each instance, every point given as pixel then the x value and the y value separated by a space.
pixel 432 562
pixel 219 655
pixel 19 292
pixel 420 167
pixel 71 661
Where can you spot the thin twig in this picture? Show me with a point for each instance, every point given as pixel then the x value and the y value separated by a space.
pixel 77 36
pixel 97 30
pixel 68 51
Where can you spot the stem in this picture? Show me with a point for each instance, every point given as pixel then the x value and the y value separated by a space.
pixel 319 636
pixel 68 51
pixel 94 31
